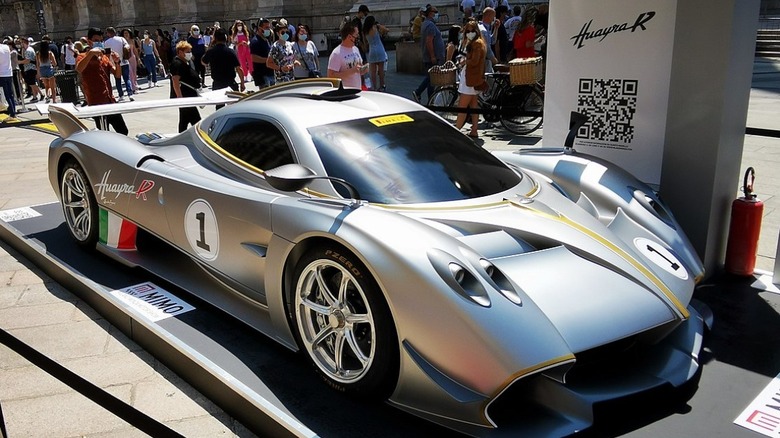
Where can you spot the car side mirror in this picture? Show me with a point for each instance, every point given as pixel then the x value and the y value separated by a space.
pixel 294 177
pixel 290 177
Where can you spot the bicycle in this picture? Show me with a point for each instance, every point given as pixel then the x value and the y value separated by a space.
pixel 518 107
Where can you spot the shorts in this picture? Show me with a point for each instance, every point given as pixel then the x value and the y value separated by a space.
pixel 263 81
pixel 30 77
pixel 47 71
pixel 462 87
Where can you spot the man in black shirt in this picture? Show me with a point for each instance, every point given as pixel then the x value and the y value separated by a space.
pixel 185 82
pixel 259 47
pixel 224 64
pixel 358 21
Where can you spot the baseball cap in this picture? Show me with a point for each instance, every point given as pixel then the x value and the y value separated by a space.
pixel 363 8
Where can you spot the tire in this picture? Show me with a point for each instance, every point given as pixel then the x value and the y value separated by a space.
pixel 515 103
pixel 79 205
pixel 343 325
pixel 489 98
pixel 446 96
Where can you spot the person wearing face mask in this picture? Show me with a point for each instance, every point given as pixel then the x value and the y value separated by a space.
pixel 151 58
pixel 198 44
pixel 224 64
pixel 306 53
pixel 471 75
pixel 185 82
pixel 95 68
pixel 345 61
pixel 281 58
pixel 259 48
pixel 30 71
pixel 240 38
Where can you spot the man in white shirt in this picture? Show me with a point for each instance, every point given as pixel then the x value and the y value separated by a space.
pixel 117 44
pixel 488 27
pixel 69 54
pixel 6 81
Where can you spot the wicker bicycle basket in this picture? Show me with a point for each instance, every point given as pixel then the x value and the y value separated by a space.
pixel 442 75
pixel 524 71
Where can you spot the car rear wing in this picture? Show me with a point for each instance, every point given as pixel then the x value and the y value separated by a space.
pixel 66 115
pixel 218 97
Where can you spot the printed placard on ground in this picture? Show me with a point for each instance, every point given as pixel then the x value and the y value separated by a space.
pixel 765 282
pixel 17 214
pixel 152 301
pixel 763 413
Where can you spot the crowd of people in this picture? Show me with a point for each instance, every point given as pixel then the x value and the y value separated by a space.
pixel 519 34
pixel 488 36
pixel 266 52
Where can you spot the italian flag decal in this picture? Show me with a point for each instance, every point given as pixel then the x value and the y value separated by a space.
pixel 116 232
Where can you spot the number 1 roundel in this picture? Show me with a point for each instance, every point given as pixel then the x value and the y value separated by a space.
pixel 200 224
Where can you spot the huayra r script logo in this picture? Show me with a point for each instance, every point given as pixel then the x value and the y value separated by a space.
pixel 586 34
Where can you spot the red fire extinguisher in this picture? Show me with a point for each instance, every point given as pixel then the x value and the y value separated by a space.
pixel 746 213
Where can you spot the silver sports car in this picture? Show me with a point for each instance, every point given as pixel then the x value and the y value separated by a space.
pixel 489 293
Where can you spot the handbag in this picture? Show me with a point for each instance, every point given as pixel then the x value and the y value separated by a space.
pixel 313 72
pixel 481 87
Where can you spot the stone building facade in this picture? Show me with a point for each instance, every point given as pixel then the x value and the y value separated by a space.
pixel 73 17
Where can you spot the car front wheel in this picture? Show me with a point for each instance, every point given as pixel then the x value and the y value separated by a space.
pixel 344 324
pixel 79 205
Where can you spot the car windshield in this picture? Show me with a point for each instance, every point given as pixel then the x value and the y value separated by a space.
pixel 409 158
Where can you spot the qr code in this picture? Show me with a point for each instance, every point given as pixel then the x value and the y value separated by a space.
pixel 610 105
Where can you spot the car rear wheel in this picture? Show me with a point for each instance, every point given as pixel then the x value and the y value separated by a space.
pixel 343 323
pixel 79 205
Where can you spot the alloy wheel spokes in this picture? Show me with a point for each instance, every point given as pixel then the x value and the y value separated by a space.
pixel 82 223
pixel 349 335
pixel 335 320
pixel 323 285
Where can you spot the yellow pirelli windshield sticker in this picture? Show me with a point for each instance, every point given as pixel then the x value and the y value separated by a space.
pixel 390 120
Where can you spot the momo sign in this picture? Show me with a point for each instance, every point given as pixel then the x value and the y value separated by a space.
pixel 763 413
pixel 611 60
pixel 152 301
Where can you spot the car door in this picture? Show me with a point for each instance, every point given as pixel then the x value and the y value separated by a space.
pixel 223 222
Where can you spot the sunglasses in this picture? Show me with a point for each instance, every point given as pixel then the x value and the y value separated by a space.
pixel 284 32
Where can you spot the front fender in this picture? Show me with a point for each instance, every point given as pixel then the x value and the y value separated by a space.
pixel 456 353
pixel 606 192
